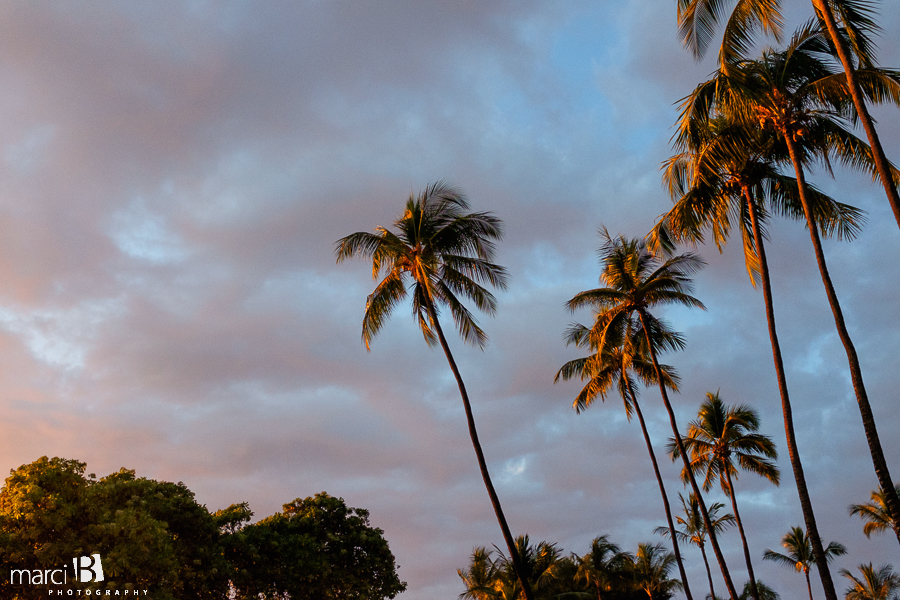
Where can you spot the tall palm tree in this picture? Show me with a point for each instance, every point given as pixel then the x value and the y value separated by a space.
pixel 793 94
pixel 720 437
pixel 652 564
pixel 638 282
pixel 725 176
pixel 875 584
pixel 693 530
pixel 697 20
pixel 606 569
pixel 616 368
pixel 439 252
pixel 799 553
pixel 875 513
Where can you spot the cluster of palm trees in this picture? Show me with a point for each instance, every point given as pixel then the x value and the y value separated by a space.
pixel 606 572
pixel 746 140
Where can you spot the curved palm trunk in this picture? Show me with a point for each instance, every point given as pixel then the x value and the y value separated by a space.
pixel 662 490
pixel 495 501
pixel 684 457
pixel 881 161
pixel 712 591
pixel 809 517
pixel 892 501
pixel 808 585
pixel 737 517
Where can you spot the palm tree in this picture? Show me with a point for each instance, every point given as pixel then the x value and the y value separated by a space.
pixel 725 173
pixel 697 20
pixel 606 569
pixel 799 555
pixel 617 368
pixel 874 513
pixel 479 577
pixel 441 252
pixel 792 93
pixel 875 584
pixel 636 283
pixel 539 566
pixel 652 564
pixel 720 436
pixel 693 530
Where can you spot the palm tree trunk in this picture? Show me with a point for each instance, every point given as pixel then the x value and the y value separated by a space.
pixel 809 517
pixel 712 591
pixel 662 490
pixel 881 161
pixel 892 501
pixel 684 457
pixel 495 501
pixel 808 585
pixel 737 517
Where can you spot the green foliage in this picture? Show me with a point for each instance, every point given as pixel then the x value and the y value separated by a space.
pixel 153 535
pixel 604 573
pixel 316 548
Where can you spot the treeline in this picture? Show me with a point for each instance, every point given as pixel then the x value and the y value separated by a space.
pixel 605 572
pixel 154 536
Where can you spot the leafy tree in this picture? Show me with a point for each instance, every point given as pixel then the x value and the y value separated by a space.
pixel 720 437
pixel 479 578
pixel 151 535
pixel 442 252
pixel 875 513
pixel 874 584
pixel 693 529
pixel 316 548
pixel 636 283
pixel 799 553
pixel 616 368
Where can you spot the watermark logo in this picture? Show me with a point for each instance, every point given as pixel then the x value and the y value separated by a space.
pixel 88 569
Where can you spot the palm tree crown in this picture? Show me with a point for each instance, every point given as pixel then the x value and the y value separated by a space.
pixel 875 513
pixel 439 252
pixel 799 553
pixel 875 584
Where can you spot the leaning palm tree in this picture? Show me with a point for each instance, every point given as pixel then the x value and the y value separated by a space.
pixel 793 94
pixel 540 565
pixel 725 177
pixel 720 437
pixel 875 584
pixel 693 530
pixel 637 282
pixel 617 368
pixel 850 27
pixel 438 253
pixel 799 553
pixel 875 513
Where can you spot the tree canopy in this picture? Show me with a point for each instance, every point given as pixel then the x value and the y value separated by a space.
pixel 154 535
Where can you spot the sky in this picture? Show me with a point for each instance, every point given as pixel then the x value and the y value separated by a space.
pixel 173 177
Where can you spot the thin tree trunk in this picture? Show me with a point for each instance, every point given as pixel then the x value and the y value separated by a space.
pixel 808 585
pixel 809 517
pixel 665 497
pixel 892 501
pixel 495 501
pixel 881 161
pixel 678 442
pixel 712 591
pixel 737 517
